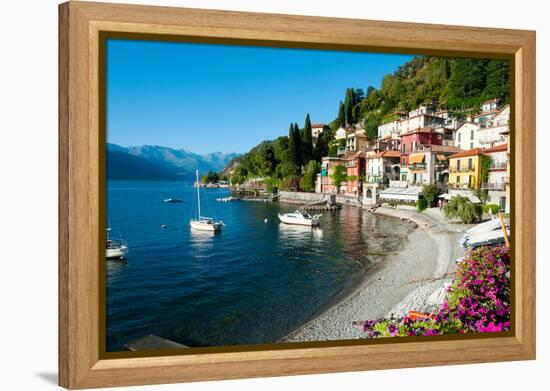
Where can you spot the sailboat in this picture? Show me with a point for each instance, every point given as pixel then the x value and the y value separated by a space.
pixel 202 223
pixel 115 248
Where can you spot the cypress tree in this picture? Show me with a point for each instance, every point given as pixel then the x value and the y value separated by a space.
pixel 341 120
pixel 298 143
pixel 348 107
pixel 307 142
pixel 292 147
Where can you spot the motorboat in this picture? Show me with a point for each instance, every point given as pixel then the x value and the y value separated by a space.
pixel 300 217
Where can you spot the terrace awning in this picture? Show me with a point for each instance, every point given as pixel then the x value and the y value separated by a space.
pixel 415 159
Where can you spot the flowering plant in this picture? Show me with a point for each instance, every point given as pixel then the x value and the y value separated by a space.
pixel 477 301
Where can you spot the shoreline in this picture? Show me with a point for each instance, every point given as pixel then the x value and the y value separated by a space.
pixel 403 281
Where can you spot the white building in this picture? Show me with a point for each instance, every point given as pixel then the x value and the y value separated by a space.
pixel 467 136
pixel 492 133
pixel 383 166
pixel 490 105
pixel 498 175
pixel 317 129
pixel 391 124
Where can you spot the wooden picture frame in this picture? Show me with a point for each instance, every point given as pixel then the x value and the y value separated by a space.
pixel 81 364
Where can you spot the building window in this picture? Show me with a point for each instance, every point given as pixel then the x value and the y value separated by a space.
pixel 404 148
pixel 470 181
pixel 471 134
pixel 403 162
pixel 458 164
pixel 470 164
pixel 471 145
pixel 459 136
pixel 458 179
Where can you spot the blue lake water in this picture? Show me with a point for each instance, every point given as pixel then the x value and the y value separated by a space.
pixel 252 283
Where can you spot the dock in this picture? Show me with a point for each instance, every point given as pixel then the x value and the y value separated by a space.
pixel 152 342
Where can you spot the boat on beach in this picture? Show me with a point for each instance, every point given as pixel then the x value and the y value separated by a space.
pixel 115 248
pixel 300 217
pixel 203 223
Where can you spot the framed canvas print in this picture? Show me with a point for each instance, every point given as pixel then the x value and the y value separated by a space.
pixel 247 195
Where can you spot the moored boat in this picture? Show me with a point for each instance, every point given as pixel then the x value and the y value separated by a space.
pixel 203 223
pixel 172 200
pixel 115 248
pixel 300 217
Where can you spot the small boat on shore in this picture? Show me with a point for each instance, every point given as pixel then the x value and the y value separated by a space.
pixel 172 200
pixel 300 217
pixel 202 223
pixel 115 248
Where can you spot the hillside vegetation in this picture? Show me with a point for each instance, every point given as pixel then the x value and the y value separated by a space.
pixel 459 84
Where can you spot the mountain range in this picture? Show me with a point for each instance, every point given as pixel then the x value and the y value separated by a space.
pixel 153 162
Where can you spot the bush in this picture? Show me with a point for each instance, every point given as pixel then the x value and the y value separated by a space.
pixel 477 301
pixel 462 208
pixel 430 192
pixel 421 204
pixel 493 208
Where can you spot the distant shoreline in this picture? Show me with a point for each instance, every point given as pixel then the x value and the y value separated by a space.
pixel 390 283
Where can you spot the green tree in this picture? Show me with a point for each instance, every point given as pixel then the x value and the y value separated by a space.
pixel 265 160
pixel 210 177
pixel 430 192
pixel 421 204
pixel 307 182
pixel 498 80
pixel 307 141
pixel 462 208
pixel 298 143
pixel 339 175
pixel 321 148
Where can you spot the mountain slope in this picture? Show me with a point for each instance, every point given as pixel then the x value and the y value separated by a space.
pixel 162 163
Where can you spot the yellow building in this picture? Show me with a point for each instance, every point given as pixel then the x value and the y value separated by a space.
pixel 465 169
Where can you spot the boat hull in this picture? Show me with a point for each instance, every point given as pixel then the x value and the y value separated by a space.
pixel 116 253
pixel 294 221
pixel 200 226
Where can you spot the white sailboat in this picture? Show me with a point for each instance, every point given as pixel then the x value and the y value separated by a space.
pixel 115 248
pixel 300 217
pixel 202 223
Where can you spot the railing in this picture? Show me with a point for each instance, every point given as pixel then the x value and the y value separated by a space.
pixel 417 166
pixel 461 169
pixel 498 166
pixel 351 164
pixel 341 151
pixel 459 186
pixel 494 186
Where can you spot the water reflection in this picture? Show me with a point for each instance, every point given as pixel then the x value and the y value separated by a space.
pixel 298 234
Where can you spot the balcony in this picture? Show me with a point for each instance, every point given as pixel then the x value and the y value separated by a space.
pixel 461 169
pixel 417 167
pixel 494 186
pixel 459 186
pixel 341 151
pixel 498 166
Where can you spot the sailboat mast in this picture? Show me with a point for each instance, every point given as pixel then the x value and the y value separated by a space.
pixel 198 193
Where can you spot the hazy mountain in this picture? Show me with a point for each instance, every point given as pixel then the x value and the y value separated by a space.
pixel 162 163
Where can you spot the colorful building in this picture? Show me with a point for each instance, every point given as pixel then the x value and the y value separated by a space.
pixel 325 179
pixel 382 166
pixel 465 169
pixel 355 171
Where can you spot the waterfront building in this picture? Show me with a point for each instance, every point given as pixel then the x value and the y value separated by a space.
pixel 428 165
pixel 498 175
pixel 355 171
pixel 382 166
pixel 489 109
pixel 465 169
pixel 325 178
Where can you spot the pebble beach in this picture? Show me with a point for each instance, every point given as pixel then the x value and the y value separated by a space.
pixel 405 281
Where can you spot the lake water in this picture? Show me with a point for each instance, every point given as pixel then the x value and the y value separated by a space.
pixel 252 283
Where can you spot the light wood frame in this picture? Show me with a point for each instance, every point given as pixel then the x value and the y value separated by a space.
pixel 80 362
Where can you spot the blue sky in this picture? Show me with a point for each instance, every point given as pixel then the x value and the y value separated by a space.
pixel 206 98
